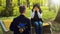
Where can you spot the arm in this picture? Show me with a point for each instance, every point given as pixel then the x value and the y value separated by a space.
pixel 39 14
pixel 13 25
pixel 32 14
pixel 29 25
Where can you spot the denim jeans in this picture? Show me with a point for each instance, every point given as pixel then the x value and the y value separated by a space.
pixel 38 27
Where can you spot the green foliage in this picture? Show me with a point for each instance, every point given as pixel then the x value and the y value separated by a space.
pixel 46 13
pixel 1 8
pixel 16 11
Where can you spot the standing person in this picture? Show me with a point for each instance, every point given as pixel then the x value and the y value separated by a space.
pixel 21 24
pixel 36 18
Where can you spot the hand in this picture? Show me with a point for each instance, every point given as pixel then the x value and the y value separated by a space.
pixel 37 9
pixel 34 10
pixel 21 30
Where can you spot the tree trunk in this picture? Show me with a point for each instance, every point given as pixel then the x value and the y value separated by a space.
pixel 55 25
pixel 8 10
pixel 49 3
pixel 0 2
pixel 58 16
pixel 28 3
pixel 18 2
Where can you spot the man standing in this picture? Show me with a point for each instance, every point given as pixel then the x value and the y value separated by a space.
pixel 21 24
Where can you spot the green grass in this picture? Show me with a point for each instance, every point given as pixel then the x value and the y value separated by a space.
pixel 1 30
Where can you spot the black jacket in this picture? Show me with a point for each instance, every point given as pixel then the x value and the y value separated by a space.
pixel 17 20
pixel 35 18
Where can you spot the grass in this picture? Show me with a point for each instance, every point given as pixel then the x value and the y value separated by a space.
pixel 1 30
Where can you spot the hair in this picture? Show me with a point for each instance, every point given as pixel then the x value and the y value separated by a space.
pixel 38 6
pixel 22 9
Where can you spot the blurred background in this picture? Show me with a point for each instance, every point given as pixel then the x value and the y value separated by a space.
pixel 9 9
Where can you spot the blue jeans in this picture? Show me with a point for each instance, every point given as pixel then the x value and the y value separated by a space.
pixel 38 27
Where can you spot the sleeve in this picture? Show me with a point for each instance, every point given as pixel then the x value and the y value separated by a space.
pixel 29 25
pixel 13 25
pixel 39 14
pixel 32 14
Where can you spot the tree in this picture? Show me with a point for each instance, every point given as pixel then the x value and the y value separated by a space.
pixel 58 16
pixel 18 2
pixel 9 7
pixel 8 10
pixel 0 2
pixel 55 25
pixel 50 2
pixel 28 3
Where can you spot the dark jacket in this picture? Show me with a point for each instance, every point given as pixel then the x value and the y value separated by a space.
pixel 16 21
pixel 35 18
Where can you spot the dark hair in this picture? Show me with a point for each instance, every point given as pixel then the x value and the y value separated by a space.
pixel 22 9
pixel 38 6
